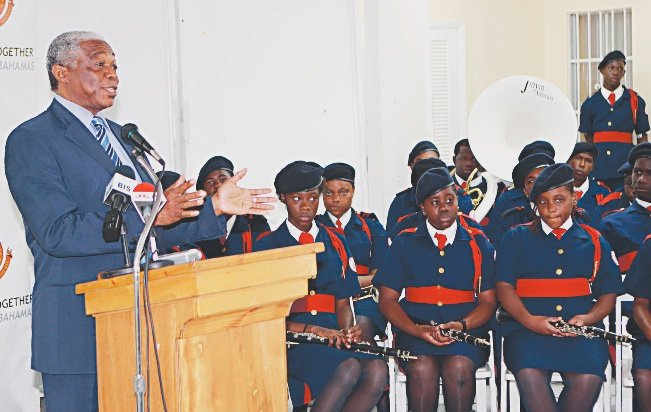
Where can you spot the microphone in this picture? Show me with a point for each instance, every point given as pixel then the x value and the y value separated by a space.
pixel 143 199
pixel 131 135
pixel 118 198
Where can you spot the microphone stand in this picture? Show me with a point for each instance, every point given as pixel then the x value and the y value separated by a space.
pixel 139 380
pixel 125 245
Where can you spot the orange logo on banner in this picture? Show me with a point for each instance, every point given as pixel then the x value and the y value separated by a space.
pixel 4 268
pixel 3 20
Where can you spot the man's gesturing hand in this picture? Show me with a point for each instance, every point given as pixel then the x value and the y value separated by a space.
pixel 180 204
pixel 234 200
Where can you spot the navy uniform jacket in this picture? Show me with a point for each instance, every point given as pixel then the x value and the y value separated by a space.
pixel 415 261
pixel 366 252
pixel 625 231
pixel 240 239
pixel 527 255
pixel 57 173
pixel 405 204
pixel 512 208
pixel 597 116
pixel 638 284
pixel 614 201
pixel 590 200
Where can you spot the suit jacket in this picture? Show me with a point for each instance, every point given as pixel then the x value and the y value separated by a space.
pixel 57 174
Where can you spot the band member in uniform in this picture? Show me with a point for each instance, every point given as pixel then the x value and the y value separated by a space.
pixel 445 268
pixel 626 230
pixel 514 208
pixel 404 202
pixel 468 176
pixel 415 217
pixel 618 200
pixel 545 272
pixel 610 117
pixel 638 284
pixel 338 380
pixel 241 230
pixel 589 192
pixel 366 238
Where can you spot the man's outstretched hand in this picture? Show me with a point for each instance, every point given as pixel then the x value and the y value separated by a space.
pixel 231 199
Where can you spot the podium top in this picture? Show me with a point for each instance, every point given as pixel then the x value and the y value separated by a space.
pixel 266 269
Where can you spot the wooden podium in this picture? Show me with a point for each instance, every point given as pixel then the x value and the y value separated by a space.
pixel 220 328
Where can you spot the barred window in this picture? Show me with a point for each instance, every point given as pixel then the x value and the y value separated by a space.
pixel 592 35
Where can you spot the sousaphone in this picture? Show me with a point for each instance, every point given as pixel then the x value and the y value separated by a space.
pixel 512 113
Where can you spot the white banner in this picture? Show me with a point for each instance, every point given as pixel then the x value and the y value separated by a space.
pixel 20 64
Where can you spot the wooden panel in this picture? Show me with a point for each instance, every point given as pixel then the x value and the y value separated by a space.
pixel 210 379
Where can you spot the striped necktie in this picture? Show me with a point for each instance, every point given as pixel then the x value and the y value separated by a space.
pixel 102 137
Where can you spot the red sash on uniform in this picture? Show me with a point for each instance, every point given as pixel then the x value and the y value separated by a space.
pixel 319 303
pixel 613 137
pixel 552 288
pixel 438 295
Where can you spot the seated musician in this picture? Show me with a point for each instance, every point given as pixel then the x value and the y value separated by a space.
pixel 549 270
pixel 366 238
pixel 446 270
pixel 338 380
pixel 638 284
pixel 589 192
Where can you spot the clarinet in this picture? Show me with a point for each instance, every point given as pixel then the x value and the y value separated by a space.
pixel 461 336
pixel 368 292
pixel 295 338
pixel 589 332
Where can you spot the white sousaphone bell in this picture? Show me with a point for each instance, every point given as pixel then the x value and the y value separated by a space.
pixel 510 114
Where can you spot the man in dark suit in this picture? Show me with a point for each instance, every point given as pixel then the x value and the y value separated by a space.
pixel 58 165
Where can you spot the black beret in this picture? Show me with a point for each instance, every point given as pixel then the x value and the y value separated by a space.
pixel 339 171
pixel 167 179
pixel 613 55
pixel 584 147
pixel 298 176
pixel 214 163
pixel 423 166
pixel 641 150
pixel 432 182
pixel 625 169
pixel 538 146
pixel 554 176
pixel 526 165
pixel 421 147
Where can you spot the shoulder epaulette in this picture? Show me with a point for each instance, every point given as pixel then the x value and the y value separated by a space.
pixel 610 198
pixel 263 235
pixel 403 217
pixel 602 184
pixel 408 230
pixel 610 212
pixel 368 215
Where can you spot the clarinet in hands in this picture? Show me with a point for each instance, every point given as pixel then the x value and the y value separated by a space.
pixel 461 336
pixel 295 338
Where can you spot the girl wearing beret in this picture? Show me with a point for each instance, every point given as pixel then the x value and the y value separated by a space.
pixel 445 268
pixel 549 270
pixel 638 284
pixel 337 380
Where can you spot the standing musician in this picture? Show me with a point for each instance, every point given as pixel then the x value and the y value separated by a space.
pixel 589 192
pixel 404 202
pixel 338 380
pixel 549 270
pixel 446 270
pixel 514 208
pixel 468 176
pixel 612 119
pixel 617 200
pixel 638 284
pixel 365 236
pixel 626 230
pixel 414 218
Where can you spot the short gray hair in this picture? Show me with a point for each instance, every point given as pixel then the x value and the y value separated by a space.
pixel 65 49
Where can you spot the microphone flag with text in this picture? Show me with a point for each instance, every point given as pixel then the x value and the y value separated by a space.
pixel 118 198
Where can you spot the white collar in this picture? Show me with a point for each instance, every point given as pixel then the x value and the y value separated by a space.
pixel 619 91
pixel 584 187
pixel 344 219
pixel 642 203
pixel 296 232
pixel 450 233
pixel 475 182
pixel 79 112
pixel 566 225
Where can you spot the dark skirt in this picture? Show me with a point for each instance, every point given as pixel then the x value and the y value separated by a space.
pixel 642 354
pixel 371 310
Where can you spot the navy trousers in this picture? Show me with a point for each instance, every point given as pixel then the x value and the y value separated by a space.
pixel 70 393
